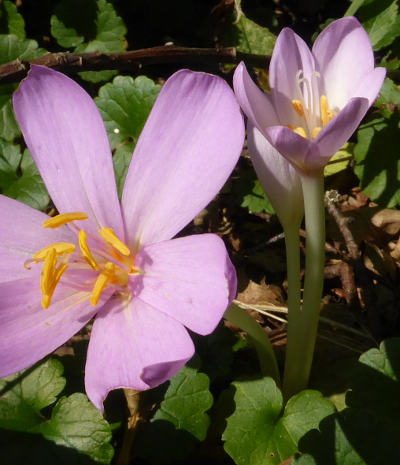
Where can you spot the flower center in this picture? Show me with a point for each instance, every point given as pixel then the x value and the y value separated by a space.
pixel 310 106
pixel 105 254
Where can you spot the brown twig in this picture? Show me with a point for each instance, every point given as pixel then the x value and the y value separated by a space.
pixel 67 62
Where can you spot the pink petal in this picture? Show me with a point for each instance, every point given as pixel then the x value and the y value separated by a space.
pixel 338 131
pixel 295 148
pixel 134 346
pixel 21 236
pixel 187 149
pixel 68 141
pixel 27 331
pixel 254 102
pixel 191 279
pixel 278 178
pixel 370 85
pixel 344 55
pixel 291 54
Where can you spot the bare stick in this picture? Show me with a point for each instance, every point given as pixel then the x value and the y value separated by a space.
pixel 67 62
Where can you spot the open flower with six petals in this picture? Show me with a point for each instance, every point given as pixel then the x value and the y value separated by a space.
pixel 118 262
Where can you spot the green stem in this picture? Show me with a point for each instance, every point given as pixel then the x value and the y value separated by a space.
pixel 265 351
pixel 303 332
pixel 292 241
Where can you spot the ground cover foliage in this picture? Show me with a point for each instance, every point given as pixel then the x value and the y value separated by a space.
pixel 219 409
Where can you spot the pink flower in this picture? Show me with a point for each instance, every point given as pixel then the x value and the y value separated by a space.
pixel 317 98
pixel 120 263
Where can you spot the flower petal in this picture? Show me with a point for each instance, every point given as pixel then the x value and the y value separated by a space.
pixel 291 54
pixel 21 236
pixel 344 55
pixel 370 85
pixel 187 149
pixel 191 279
pixel 68 141
pixel 27 331
pixel 278 178
pixel 255 103
pixel 134 346
pixel 292 146
pixel 337 132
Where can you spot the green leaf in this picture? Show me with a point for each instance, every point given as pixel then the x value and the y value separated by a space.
pixel 11 48
pixel 28 187
pixel 180 420
pixel 26 393
pixel 186 401
pixel 252 38
pixel 373 410
pixel 389 96
pixel 122 159
pixel 377 159
pixel 125 105
pixel 11 22
pixel 304 460
pixel 96 28
pixel 250 194
pixel 340 161
pixel 75 424
pixel 258 434
pixel 380 19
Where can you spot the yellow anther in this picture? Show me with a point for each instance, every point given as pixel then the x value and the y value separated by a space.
pixel 290 126
pixel 315 132
pixel 48 272
pixel 87 254
pixel 326 114
pixel 60 248
pixel 64 218
pixel 300 131
pixel 298 107
pixel 46 301
pixel 101 282
pixel 108 235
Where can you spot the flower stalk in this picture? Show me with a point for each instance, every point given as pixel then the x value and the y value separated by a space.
pixel 303 324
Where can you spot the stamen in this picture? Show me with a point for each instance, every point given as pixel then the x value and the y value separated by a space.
pixel 87 254
pixel 326 114
pixel 48 272
pixel 290 126
pixel 101 282
pixel 315 133
pixel 46 300
pixel 64 218
pixel 108 235
pixel 60 248
pixel 300 131
pixel 298 108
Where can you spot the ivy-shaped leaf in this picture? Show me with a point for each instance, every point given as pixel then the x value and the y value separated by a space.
pixel 373 411
pixel 75 424
pixel 125 105
pixel 250 194
pixel 181 420
pixel 20 178
pixel 97 27
pixel 257 433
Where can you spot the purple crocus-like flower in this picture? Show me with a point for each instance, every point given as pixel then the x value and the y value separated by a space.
pixel 317 98
pixel 118 262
